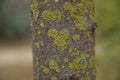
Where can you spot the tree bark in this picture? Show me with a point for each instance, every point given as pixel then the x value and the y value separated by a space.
pixel 63 39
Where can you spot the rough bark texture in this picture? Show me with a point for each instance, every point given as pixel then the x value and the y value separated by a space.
pixel 63 39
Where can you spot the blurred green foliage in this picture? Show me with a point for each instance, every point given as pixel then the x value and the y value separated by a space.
pixel 108 15
pixel 14 19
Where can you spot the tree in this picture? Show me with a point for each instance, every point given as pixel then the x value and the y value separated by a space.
pixel 63 39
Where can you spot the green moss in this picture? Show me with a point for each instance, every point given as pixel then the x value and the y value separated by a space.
pixel 76 37
pixel 49 15
pixel 73 52
pixel 34 10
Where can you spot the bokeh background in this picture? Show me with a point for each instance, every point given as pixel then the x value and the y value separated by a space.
pixel 15 40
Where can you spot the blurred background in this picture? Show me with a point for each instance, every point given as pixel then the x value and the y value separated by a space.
pixel 15 40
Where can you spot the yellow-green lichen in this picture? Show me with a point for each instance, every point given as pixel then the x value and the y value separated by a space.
pixel 34 9
pixel 92 63
pixel 56 1
pixel 79 64
pixel 81 24
pixel 39 32
pixel 73 52
pixel 53 33
pixel 76 37
pixel 94 71
pixel 66 59
pixel 46 70
pixel 45 1
pixel 54 78
pixel 67 6
pixel 61 42
pixel 48 5
pixel 65 34
pixel 77 13
pixel 39 44
pixel 41 25
pixel 87 78
pixel 84 55
pixel 89 36
pixel 60 39
pixel 68 18
pixel 50 15
pixel 37 63
pixel 53 65
pixel 91 6
pixel 63 66
pixel 74 0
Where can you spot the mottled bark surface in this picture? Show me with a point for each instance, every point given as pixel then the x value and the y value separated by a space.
pixel 63 39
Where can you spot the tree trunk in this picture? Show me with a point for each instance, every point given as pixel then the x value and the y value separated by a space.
pixel 63 39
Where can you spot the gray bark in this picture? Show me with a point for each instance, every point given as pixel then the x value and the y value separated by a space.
pixel 63 39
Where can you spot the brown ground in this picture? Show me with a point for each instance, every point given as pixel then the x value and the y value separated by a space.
pixel 16 62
